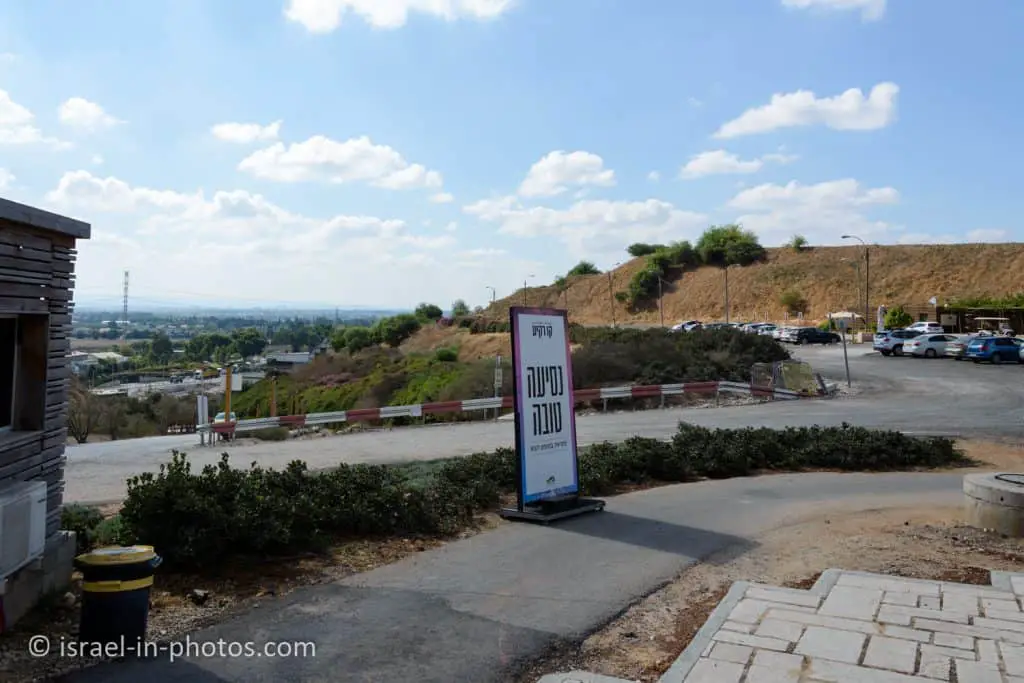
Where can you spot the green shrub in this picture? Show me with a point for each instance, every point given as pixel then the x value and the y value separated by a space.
pixel 271 434
pixel 110 532
pixel 798 243
pixel 897 318
pixel 658 356
pixel 83 520
pixel 446 355
pixel 642 249
pixel 198 519
pixel 584 268
pixel 793 301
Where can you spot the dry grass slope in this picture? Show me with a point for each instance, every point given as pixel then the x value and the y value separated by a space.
pixel 827 277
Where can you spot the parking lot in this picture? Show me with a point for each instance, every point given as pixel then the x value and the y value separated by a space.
pixel 946 380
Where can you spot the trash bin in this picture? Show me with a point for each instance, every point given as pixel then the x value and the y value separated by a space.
pixel 115 593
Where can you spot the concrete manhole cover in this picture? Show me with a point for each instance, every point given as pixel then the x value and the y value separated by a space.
pixel 1016 479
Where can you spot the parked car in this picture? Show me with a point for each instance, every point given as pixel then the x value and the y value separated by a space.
pixel 928 345
pixel 219 417
pixel 957 349
pixel 812 335
pixel 926 327
pixel 994 350
pixel 780 332
pixel 686 326
pixel 890 342
pixel 767 330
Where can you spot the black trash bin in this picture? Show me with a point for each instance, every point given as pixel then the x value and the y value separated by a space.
pixel 115 593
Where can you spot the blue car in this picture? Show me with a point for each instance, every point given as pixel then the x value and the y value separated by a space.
pixel 993 350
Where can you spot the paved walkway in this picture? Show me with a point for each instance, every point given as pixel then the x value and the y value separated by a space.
pixel 853 627
pixel 474 610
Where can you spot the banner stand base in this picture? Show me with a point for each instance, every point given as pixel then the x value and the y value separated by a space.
pixel 549 511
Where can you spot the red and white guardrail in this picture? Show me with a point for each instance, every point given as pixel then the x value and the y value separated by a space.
pixel 478 404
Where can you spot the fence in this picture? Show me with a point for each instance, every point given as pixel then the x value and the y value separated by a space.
pixel 503 402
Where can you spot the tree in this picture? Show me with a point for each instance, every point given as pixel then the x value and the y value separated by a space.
pixel 798 243
pixel 897 318
pixel 643 249
pixel 358 338
pixel 459 308
pixel 113 417
pixel 430 312
pixel 83 411
pixel 161 348
pixel 728 245
pixel 583 268
pixel 248 342
pixel 395 330
pixel 793 301
pixel 338 339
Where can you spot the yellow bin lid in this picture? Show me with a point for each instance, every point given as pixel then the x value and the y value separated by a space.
pixel 132 554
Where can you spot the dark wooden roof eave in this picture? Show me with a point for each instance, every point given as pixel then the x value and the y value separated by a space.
pixel 43 220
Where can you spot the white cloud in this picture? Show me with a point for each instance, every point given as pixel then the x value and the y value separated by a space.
pixel 8 58
pixel 870 10
pixel 238 247
pixel 926 238
pixel 559 170
pixel 97 159
pixel 988 235
pixel 694 102
pixel 17 125
pixel 321 158
pixel 721 162
pixel 243 133
pixel 451 227
pixel 442 198
pixel 821 212
pixel 6 178
pixel 654 176
pixel 324 16
pixel 592 228
pixel 80 113
pixel 849 111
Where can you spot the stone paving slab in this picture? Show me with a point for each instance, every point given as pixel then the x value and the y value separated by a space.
pixel 854 627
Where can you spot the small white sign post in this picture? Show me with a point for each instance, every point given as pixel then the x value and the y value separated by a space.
pixel 545 418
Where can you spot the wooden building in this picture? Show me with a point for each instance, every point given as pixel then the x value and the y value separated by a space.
pixel 37 257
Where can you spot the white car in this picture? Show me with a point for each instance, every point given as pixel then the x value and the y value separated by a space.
pixel 928 345
pixel 767 330
pixel 925 327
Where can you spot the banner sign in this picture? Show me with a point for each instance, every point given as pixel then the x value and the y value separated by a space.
pixel 544 404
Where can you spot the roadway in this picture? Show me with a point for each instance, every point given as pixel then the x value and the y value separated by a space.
pixel 941 397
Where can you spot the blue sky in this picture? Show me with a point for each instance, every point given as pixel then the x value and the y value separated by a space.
pixel 386 152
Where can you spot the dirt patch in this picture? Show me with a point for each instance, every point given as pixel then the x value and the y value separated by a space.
pixel 182 603
pixel 925 543
pixel 1001 456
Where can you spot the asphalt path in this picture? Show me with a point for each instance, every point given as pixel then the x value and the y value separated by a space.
pixel 473 611
pixel 921 396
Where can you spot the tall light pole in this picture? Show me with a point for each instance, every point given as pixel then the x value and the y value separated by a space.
pixel 726 269
pixel 494 292
pixel 867 277
pixel 525 285
pixel 661 301
pixel 611 294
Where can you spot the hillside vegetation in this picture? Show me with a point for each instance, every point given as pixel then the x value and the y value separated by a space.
pixel 378 376
pixel 825 278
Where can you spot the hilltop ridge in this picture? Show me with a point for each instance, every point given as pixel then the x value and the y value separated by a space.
pixel 829 279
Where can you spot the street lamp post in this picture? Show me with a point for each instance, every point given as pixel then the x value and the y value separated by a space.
pixel 494 292
pixel 726 295
pixel 525 285
pixel 867 276
pixel 611 293
pixel 661 302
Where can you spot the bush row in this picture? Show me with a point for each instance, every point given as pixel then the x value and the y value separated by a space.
pixel 197 519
